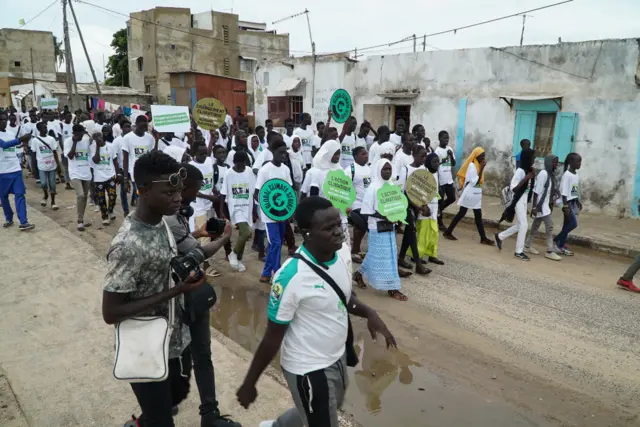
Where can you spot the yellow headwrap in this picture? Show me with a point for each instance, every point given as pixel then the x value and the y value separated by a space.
pixel 462 172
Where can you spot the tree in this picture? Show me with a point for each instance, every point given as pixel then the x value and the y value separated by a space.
pixel 58 51
pixel 118 65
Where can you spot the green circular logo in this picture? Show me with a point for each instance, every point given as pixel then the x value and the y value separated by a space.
pixel 278 200
pixel 340 106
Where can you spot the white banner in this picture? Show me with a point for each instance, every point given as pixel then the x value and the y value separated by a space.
pixel 171 118
pixel 48 103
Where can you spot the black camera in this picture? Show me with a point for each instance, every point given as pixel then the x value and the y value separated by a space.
pixel 216 226
pixel 183 265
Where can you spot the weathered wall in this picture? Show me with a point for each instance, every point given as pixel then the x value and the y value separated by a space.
pixel 598 80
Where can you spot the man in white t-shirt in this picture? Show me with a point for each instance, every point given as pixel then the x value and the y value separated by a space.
pixel 103 157
pixel 66 133
pixel 125 128
pixel 360 173
pixel 364 139
pixel 446 172
pixel 168 139
pixel 404 157
pixel 29 127
pixel 207 196
pixel 288 134
pixel 11 181
pixel 309 322
pixel 306 139
pixel 46 149
pixel 348 142
pixel 134 145
pixel 396 137
pixel 275 169
pixel 76 149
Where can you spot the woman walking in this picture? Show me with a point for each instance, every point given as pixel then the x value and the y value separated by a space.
pixel 571 205
pixel 380 265
pixel 471 178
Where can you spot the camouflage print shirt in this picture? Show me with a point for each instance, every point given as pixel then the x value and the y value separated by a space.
pixel 138 264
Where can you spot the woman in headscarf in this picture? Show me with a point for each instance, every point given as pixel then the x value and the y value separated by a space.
pixel 518 206
pixel 297 162
pixel 427 224
pixel 545 193
pixel 471 178
pixel 380 265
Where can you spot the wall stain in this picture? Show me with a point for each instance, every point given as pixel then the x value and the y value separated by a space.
pixel 620 132
pixel 499 168
pixel 592 193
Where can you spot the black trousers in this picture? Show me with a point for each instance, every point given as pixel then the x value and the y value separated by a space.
pixel 157 398
pixel 202 365
pixel 447 197
pixel 409 239
pixel 477 213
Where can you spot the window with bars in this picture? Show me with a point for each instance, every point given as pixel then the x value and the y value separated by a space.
pixel 225 34
pixel 295 103
pixel 543 140
pixel 226 67
pixel 246 65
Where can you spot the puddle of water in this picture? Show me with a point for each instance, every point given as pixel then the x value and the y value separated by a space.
pixel 387 387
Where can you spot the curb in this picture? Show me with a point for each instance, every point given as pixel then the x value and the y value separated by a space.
pixel 575 240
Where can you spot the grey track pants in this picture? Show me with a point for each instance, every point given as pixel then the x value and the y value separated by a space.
pixel 317 395
pixel 548 228
pixel 632 270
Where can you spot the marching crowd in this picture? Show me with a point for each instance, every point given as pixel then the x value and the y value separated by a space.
pixel 190 190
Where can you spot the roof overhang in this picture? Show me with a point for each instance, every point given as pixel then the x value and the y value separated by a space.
pixel 288 84
pixel 400 95
pixel 537 97
pixel 20 95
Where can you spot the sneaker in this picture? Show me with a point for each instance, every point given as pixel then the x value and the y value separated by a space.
pixel 37 181
pixel 26 227
pixel 531 250
pixel 233 260
pixel 267 423
pixel 628 285
pixel 7 224
pixel 556 249
pixel 54 207
pixel 566 252
pixel 43 203
pixel 90 203
pixel 80 226
pixel 522 256
pixel 221 421
pixel 265 279
pixel 553 256
pixel 498 241
pixel 106 221
pixel 96 208
pixel 112 216
pixel 241 267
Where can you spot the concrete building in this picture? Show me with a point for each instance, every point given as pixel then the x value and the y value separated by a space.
pixel 165 40
pixel 582 97
pixel 118 95
pixel 188 87
pixel 18 48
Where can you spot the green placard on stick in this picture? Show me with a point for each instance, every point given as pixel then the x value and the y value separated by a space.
pixel 392 203
pixel 278 200
pixel 340 105
pixel 338 188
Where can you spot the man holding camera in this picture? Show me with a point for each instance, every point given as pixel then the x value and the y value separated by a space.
pixel 137 282
pixel 198 303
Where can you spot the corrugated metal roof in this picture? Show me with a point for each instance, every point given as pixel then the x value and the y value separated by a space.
pixel 90 89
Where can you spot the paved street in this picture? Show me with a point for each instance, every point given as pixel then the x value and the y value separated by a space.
pixel 485 340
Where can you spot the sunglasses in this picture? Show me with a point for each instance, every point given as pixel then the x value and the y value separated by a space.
pixel 175 179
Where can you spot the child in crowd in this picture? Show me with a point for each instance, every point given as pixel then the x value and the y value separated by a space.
pixel 571 205
pixel 103 158
pixel 471 179
pixel 46 149
pixel 427 224
pixel 237 204
pixel 545 194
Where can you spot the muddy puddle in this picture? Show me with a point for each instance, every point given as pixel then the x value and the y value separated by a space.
pixel 387 388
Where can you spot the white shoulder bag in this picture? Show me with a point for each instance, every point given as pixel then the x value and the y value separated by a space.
pixel 142 343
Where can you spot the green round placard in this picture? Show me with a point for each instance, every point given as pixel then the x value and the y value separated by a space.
pixel 340 106
pixel 278 200
pixel 338 188
pixel 392 203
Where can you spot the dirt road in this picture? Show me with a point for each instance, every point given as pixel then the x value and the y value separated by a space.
pixel 485 340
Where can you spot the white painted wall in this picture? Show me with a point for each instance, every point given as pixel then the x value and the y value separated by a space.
pixel 596 79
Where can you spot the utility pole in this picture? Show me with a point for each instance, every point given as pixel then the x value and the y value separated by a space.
pixel 424 43
pixel 67 54
pixel 524 19
pixel 414 42
pixel 93 73
pixel 33 80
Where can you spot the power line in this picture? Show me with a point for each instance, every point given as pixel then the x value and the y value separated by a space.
pixel 455 30
pixel 260 49
pixel 40 13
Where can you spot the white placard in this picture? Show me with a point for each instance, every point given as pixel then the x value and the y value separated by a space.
pixel 48 103
pixel 171 118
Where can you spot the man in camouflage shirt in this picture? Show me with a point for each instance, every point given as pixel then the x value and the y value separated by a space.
pixel 137 282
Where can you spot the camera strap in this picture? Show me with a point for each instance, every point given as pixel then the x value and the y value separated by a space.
pixel 174 251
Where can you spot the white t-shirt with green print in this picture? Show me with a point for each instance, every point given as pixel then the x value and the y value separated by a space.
pixel 317 319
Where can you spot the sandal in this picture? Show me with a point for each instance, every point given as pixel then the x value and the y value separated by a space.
pixel 357 277
pixel 398 295
pixel 265 279
pixel 213 273
pixel 422 270
pixel 404 273
pixel 435 260
pixel 449 236
pixel 402 263
pixel 357 258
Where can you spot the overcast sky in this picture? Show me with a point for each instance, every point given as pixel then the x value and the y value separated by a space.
pixel 338 25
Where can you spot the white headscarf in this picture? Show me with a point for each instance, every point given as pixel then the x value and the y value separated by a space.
pixel 249 144
pixel 322 159
pixel 370 200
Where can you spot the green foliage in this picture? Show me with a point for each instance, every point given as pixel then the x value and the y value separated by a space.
pixel 118 65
